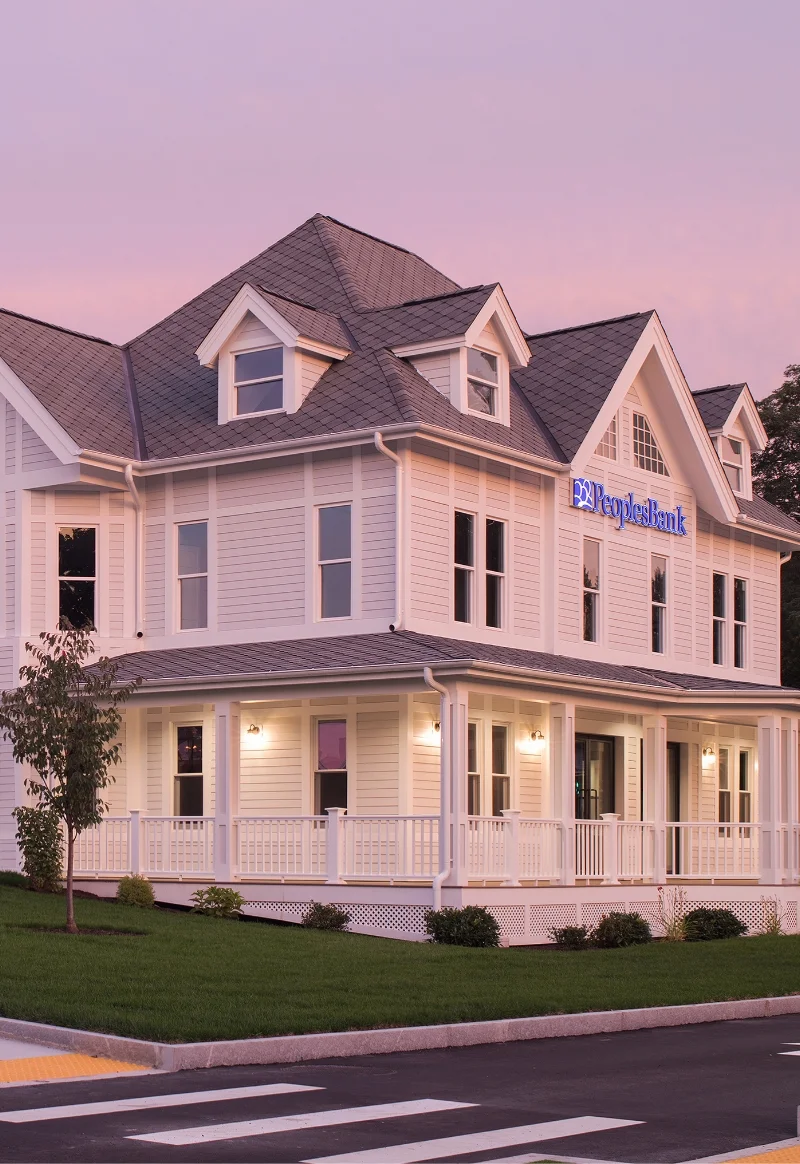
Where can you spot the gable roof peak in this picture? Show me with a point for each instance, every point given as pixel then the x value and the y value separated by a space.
pixel 587 326
pixel 95 339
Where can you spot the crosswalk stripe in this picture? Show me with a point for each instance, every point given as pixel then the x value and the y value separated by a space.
pixel 296 1123
pixel 476 1141
pixel 141 1102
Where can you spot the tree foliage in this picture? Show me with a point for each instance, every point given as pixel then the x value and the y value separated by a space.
pixel 63 721
pixel 776 476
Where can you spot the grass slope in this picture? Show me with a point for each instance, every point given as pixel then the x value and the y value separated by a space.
pixel 192 978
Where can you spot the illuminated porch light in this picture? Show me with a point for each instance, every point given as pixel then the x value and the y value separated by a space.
pixel 254 730
pixel 708 757
pixel 537 742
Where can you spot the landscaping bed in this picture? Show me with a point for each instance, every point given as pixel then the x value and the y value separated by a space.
pixel 190 978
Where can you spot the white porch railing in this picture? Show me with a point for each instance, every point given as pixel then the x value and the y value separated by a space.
pixel 405 848
pixel 540 850
pixel 281 846
pixel 635 850
pixel 177 844
pixel 590 848
pixel 106 848
pixel 716 849
pixel 485 847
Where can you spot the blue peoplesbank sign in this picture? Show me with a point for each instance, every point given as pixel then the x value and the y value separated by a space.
pixel 591 495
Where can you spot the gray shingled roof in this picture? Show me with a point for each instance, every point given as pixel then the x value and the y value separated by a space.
pixel 404 648
pixel 572 372
pixel 764 511
pixel 427 319
pixel 715 404
pixel 313 324
pixel 77 378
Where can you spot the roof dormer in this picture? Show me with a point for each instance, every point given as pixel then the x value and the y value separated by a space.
pixel 735 427
pixel 472 369
pixel 269 353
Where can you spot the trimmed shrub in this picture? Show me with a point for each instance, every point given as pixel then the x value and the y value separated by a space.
pixel 571 937
pixel 14 880
pixel 617 930
pixel 472 925
pixel 325 917
pixel 136 890
pixel 707 925
pixel 41 843
pixel 217 901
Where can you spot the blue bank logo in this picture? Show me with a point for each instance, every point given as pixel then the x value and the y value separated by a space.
pixel 592 495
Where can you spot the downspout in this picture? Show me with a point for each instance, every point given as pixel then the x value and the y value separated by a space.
pixel 444 786
pixel 137 573
pixel 399 524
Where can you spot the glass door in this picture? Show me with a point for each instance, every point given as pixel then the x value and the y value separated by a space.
pixel 594 776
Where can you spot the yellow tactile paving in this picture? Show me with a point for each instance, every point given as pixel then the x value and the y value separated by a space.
pixel 776 1156
pixel 42 1067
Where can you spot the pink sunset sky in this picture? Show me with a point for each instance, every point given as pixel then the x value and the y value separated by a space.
pixel 595 157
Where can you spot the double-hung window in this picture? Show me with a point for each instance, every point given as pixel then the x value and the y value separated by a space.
pixel 335 563
pixel 189 775
pixel 733 462
pixel 724 785
pixel 658 603
pixel 495 571
pixel 719 616
pixel 77 577
pixel 501 784
pixel 193 575
pixel 739 622
pixel 744 788
pixel 331 771
pixel 464 566
pixel 473 771
pixel 591 590
pixel 482 382
pixel 258 381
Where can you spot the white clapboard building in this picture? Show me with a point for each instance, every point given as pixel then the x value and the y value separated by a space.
pixel 427 610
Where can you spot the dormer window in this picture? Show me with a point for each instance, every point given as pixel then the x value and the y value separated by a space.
pixel 733 462
pixel 258 381
pixel 482 382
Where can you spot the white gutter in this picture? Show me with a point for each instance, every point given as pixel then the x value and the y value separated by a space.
pixel 138 581
pixel 780 535
pixel 399 521
pixel 445 814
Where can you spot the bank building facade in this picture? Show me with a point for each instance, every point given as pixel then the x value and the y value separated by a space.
pixel 427 611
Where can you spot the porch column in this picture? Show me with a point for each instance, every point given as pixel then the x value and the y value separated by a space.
pixel 792 742
pixel 655 790
pixel 459 711
pixel 561 745
pixel 769 798
pixel 227 747
pixel 135 759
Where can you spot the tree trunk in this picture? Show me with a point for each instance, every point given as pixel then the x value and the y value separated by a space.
pixel 71 927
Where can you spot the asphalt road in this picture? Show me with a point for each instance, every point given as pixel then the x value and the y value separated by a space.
pixel 662 1095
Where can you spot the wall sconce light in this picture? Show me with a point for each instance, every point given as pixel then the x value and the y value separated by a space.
pixel 254 730
pixel 437 727
pixel 537 742
pixel 708 757
pixel 254 737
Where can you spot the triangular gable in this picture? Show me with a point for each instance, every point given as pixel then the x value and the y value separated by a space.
pixel 266 310
pixel 725 406
pixel 653 356
pixel 35 415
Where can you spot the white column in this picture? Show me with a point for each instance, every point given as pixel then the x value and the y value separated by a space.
pixel 227 747
pixel 135 759
pixel 655 790
pixel 791 727
pixel 512 815
pixel 611 847
pixel 561 750
pixel 458 717
pixel 333 847
pixel 769 798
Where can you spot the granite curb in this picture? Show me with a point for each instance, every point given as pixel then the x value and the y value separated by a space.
pixel 341 1044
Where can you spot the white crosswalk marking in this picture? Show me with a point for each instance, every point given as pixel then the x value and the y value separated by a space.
pixel 476 1142
pixel 142 1102
pixel 296 1123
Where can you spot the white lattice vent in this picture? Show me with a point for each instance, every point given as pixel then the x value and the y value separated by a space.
pixel 511 919
pixel 293 909
pixel 791 917
pixel 547 917
pixel 407 919
pixel 649 911
pixel 591 912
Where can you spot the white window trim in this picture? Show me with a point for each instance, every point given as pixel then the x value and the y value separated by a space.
pixel 503 575
pixel 246 349
pixel 100 627
pixel 665 606
pixel 477 546
pixel 600 591
pixel 318 564
pixel 726 621
pixel 745 624
pixel 495 387
pixel 172 736
pixel 177 576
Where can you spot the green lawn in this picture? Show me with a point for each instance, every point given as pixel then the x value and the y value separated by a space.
pixel 194 978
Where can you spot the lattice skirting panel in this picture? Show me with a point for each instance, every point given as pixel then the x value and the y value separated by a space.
pixel 531 923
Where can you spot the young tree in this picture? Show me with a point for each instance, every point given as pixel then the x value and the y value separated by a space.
pixel 776 474
pixel 62 721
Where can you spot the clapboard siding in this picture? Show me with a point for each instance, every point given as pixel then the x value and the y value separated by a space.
pixel 425 756
pixel 154 588
pixel 116 578
pixel 261 568
pixel 569 585
pixel 38 576
pixel 311 369
pixel 156 777
pixel 436 370
pixel 190 493
pixel 526 575
pixel 248 485
pixel 73 504
pixel 627 602
pixel 430 559
pixel 377 555
pixel 378 760
pixel 332 473
pixel 11 579
pixel 271 777
pixel 35 453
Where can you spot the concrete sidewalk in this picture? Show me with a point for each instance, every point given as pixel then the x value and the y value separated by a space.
pixel 22 1062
